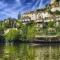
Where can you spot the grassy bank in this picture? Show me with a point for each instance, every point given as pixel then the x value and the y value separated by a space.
pixel 28 31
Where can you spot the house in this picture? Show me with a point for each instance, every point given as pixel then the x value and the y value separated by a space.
pixel 26 19
pixel 42 16
pixel 55 5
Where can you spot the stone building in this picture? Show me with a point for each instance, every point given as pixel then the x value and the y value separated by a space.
pixel 43 16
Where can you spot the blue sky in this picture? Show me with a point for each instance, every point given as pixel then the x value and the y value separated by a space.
pixel 11 8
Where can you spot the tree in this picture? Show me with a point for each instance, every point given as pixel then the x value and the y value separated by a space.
pixel 58 1
pixel 31 30
pixel 7 24
pixel 51 24
pixel 22 29
pixel 12 35
pixel 19 24
pixel 58 29
pixel 57 12
pixel 28 31
pixel 51 27
pixel 1 26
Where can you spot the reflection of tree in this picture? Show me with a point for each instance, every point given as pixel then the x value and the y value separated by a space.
pixel 9 52
pixel 24 52
pixel 1 50
pixel 30 52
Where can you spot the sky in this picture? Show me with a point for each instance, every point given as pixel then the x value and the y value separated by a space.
pixel 11 8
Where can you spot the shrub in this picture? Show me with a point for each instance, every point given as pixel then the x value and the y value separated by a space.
pixel 12 35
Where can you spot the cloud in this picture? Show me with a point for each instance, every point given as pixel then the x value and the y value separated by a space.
pixel 7 10
pixel 17 0
pixel 11 8
pixel 9 1
pixel 2 5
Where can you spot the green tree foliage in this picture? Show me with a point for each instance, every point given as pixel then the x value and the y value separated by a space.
pixel 57 12
pixel 57 0
pixel 31 30
pixel 1 26
pixel 51 24
pixel 51 28
pixel 58 29
pixel 12 35
pixel 23 32
pixel 22 29
pixel 19 24
pixel 27 31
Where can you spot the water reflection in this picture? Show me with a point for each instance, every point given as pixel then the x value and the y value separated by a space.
pixel 30 52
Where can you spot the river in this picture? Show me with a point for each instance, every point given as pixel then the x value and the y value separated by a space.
pixel 26 51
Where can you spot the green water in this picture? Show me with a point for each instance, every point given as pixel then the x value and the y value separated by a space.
pixel 30 52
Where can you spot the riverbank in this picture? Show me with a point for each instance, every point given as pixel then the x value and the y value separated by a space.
pixel 39 39
pixel 48 39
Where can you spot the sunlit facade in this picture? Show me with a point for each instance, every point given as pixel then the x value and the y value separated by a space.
pixel 42 15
